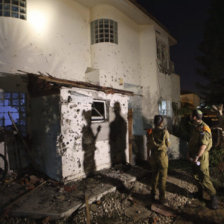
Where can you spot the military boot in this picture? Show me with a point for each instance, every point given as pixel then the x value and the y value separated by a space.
pixel 162 199
pixel 153 196
pixel 214 202
pixel 198 195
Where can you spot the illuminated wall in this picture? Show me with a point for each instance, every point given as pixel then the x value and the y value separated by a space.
pixel 55 40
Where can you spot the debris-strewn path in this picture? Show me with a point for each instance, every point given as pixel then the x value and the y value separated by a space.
pixel 119 195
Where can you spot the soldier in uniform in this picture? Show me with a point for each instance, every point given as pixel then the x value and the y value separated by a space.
pixel 157 145
pixel 199 145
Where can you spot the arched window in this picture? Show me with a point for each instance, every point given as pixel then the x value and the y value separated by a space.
pixel 104 30
pixel 13 8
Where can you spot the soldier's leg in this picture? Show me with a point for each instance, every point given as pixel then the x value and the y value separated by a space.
pixel 197 181
pixel 154 181
pixel 163 175
pixel 208 186
pixel 206 182
pixel 204 175
pixel 162 183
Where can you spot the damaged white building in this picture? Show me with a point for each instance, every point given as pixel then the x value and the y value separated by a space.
pixel 82 79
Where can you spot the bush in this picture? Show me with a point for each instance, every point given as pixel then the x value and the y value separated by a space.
pixel 217 157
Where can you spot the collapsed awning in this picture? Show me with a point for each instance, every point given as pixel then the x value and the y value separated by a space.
pixel 40 84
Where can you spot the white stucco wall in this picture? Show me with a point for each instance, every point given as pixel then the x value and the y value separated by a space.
pixel 72 122
pixel 169 87
pixel 149 78
pixel 118 61
pixel 175 79
pixel 54 39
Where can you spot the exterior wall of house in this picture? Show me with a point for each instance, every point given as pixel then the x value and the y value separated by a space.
pixel 45 129
pixel 119 63
pixel 54 39
pixel 149 78
pixel 12 148
pixel 75 146
pixel 169 87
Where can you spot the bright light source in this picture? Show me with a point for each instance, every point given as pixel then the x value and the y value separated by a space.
pixel 38 20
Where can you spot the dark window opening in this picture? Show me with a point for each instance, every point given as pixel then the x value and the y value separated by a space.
pixel 99 110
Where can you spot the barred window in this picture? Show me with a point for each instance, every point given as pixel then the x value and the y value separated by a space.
pixel 104 30
pixel 13 104
pixel 13 8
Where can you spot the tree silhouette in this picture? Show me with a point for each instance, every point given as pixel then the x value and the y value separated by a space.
pixel 211 59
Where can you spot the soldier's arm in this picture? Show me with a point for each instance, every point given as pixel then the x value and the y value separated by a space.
pixel 148 153
pixel 148 150
pixel 200 152
pixel 148 137
pixel 167 139
pixel 204 140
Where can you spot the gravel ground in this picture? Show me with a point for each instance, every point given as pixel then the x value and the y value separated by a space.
pixel 131 206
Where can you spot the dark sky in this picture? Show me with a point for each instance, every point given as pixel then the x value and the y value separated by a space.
pixel 185 20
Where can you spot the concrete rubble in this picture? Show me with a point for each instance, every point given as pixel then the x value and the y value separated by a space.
pixel 116 195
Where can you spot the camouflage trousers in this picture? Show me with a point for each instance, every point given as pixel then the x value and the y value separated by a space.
pixel 159 165
pixel 201 175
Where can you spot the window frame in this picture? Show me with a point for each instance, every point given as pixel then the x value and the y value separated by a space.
pixel 13 8
pixel 167 111
pixel 162 50
pixel 17 105
pixel 104 117
pixel 104 31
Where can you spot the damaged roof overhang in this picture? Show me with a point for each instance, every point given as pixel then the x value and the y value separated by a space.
pixel 39 85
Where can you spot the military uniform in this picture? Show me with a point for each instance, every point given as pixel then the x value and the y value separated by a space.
pixel 201 135
pixel 158 142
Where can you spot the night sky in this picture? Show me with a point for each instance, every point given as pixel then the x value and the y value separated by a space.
pixel 185 21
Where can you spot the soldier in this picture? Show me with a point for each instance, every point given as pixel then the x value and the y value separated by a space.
pixel 199 145
pixel 157 144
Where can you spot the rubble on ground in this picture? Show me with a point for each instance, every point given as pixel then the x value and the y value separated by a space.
pixel 126 201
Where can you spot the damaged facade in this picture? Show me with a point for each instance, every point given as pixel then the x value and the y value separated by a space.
pixel 105 62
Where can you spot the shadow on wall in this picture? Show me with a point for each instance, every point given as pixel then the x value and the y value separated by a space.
pixel 89 144
pixel 138 148
pixel 118 131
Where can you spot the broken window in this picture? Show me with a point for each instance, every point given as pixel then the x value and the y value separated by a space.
pixel 13 8
pixel 14 104
pixel 104 30
pixel 99 110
